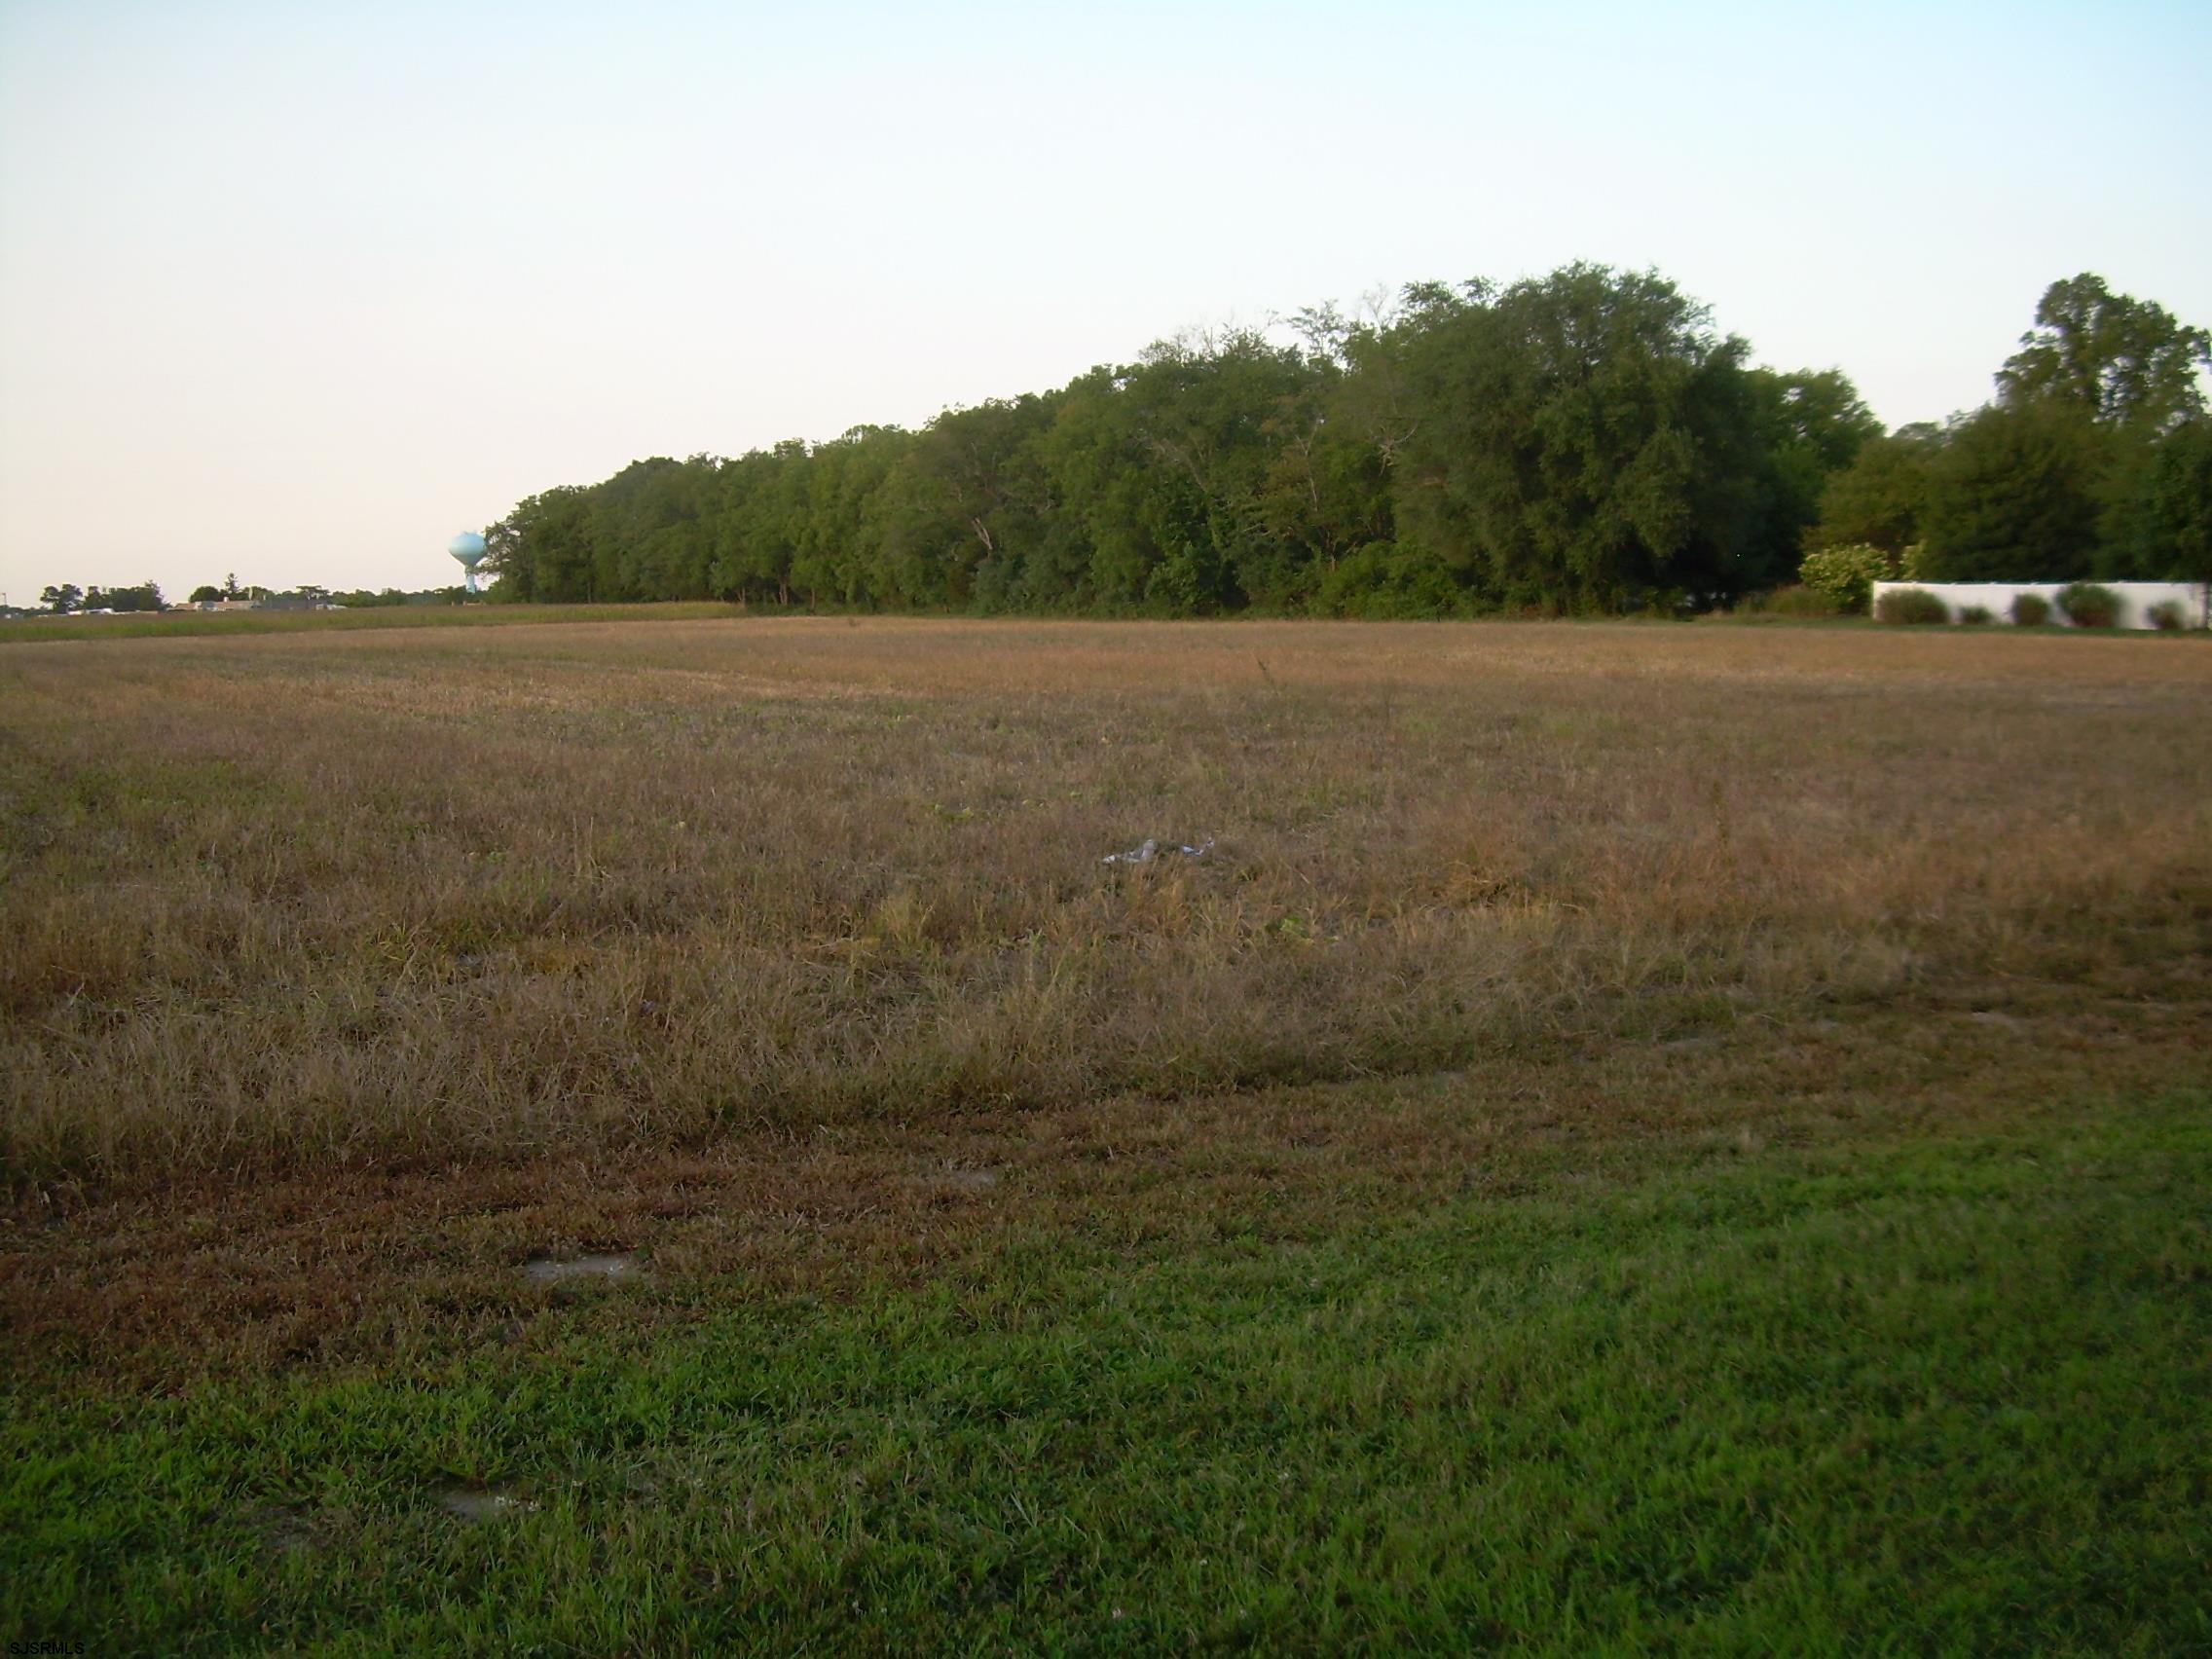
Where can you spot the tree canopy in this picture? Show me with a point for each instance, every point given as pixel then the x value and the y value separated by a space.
pixel 67 597
pixel 2115 359
pixel 1587 441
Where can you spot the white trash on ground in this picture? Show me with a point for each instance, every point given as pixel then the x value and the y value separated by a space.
pixel 545 1271
pixel 1159 849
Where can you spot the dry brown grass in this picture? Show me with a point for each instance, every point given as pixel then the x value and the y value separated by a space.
pixel 362 1264
pixel 285 903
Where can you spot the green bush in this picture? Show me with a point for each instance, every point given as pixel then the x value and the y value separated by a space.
pixel 2168 617
pixel 2088 605
pixel 1975 615
pixel 2030 610
pixel 1910 605
pixel 1389 579
pixel 1847 574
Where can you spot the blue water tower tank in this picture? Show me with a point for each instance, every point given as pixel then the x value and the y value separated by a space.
pixel 469 548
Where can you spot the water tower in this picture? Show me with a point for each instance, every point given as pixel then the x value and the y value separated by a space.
pixel 469 548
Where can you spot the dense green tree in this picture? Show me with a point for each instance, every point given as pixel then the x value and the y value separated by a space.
pixel 541 552
pixel 759 514
pixel 1881 498
pixel 1584 438
pixel 967 498
pixel 2159 527
pixel 2014 496
pixel 2130 544
pixel 1812 426
pixel 2120 360
pixel 2181 501
pixel 647 534
pixel 146 596
pixel 1209 417
pixel 1103 539
pixel 2134 372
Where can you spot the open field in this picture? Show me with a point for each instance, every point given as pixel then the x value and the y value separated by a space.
pixel 1631 1134
pixel 188 624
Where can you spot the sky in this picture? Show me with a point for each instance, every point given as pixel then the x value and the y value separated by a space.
pixel 297 291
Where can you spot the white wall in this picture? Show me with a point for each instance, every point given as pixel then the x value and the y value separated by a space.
pixel 1996 598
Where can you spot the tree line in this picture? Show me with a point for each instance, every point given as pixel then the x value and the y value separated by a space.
pixel 64 598
pixel 1585 440
pixel 67 597
pixel 2093 461
pixel 312 593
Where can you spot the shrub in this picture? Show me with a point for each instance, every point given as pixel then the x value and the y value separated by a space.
pixel 1390 579
pixel 2168 617
pixel 1911 605
pixel 1847 574
pixel 2030 610
pixel 1799 599
pixel 2088 605
pixel 1975 615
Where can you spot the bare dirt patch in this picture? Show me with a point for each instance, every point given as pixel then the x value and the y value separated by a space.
pixel 479 1505
pixel 613 1269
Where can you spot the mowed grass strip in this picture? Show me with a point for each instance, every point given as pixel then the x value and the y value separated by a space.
pixel 1936 1392
pixel 338 1268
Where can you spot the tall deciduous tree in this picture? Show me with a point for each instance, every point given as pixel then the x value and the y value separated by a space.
pixel 1583 437
pixel 2120 360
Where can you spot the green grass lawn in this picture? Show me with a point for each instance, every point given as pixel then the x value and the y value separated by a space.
pixel 1935 1388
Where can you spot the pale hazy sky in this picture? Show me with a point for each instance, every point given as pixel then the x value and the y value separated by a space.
pixel 298 290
